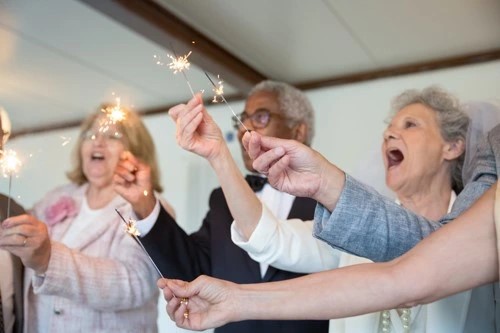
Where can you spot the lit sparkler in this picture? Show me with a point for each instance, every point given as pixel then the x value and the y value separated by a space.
pixel 219 92
pixel 132 231
pixel 179 64
pixel 10 166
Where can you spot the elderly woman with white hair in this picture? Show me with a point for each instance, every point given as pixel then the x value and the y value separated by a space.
pixel 423 152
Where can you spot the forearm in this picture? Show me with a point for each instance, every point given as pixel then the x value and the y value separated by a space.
pixel 102 283
pixel 460 256
pixel 244 205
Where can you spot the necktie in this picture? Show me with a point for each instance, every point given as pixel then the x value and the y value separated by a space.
pixel 256 182
pixel 1 315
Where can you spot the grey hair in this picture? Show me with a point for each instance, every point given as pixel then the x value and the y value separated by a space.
pixel 451 116
pixel 293 103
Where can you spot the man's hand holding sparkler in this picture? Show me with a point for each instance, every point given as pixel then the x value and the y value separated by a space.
pixel 133 182
pixel 196 131
pixel 26 237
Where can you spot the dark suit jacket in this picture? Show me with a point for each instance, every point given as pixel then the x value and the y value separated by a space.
pixel 210 251
pixel 15 209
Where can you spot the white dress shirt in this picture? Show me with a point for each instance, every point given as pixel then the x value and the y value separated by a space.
pixel 278 203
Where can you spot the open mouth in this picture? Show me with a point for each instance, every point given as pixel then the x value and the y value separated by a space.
pixel 97 157
pixel 394 157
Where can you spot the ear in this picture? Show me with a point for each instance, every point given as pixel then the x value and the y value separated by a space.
pixel 454 149
pixel 299 132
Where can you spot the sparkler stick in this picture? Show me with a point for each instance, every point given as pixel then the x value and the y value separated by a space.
pixel 219 91
pixel 132 231
pixel 10 165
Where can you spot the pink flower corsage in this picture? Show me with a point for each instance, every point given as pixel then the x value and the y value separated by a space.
pixel 63 208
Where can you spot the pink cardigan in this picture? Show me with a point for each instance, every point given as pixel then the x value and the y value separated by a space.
pixel 103 283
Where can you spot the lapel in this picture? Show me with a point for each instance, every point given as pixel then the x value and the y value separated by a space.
pixel 303 209
pixel 90 235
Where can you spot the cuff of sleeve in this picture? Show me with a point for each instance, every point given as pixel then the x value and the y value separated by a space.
pixel 326 223
pixel 51 280
pixel 260 237
pixel 145 225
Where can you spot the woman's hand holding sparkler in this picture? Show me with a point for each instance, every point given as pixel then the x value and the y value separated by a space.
pixel 26 237
pixel 133 182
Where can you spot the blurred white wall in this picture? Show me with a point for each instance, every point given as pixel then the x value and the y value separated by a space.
pixel 349 124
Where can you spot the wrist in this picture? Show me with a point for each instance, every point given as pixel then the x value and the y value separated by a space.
pixel 332 181
pixel 144 207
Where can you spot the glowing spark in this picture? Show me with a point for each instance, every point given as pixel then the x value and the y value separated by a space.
pixel 221 95
pixel 179 64
pixel 132 231
pixel 10 163
pixel 65 140
pixel 115 113
pixel 218 90
pixel 131 228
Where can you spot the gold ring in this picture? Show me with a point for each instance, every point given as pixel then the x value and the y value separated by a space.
pixel 184 301
pixel 186 314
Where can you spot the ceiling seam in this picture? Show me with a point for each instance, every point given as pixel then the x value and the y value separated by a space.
pixel 351 32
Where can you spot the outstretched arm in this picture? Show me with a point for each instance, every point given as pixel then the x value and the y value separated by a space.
pixel 459 256
pixel 197 132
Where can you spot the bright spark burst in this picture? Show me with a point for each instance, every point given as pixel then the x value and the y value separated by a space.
pixel 179 64
pixel 131 228
pixel 10 163
pixel 115 113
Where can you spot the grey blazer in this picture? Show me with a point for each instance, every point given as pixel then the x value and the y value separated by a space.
pixel 17 266
pixel 369 225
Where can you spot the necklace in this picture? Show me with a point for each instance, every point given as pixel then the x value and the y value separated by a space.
pixel 404 314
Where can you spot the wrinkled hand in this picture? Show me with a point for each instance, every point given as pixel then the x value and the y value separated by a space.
pixel 290 165
pixel 195 129
pixel 26 237
pixel 132 180
pixel 209 302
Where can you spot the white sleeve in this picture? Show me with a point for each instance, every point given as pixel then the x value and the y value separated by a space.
pixel 287 245
pixel 145 225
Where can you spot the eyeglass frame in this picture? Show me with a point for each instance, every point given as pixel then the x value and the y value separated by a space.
pixel 91 135
pixel 243 116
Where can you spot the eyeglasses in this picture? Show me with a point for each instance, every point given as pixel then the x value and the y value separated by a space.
pixel 92 135
pixel 258 119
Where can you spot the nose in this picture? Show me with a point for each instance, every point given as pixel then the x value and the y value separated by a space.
pixel 390 133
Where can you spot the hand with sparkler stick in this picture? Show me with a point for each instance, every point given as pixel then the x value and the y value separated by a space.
pixel 218 90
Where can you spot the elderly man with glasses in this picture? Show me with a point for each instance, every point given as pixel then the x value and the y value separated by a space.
pixel 274 109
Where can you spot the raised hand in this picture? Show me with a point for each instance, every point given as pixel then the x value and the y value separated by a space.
pixel 26 237
pixel 195 129
pixel 201 304
pixel 295 168
pixel 132 180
